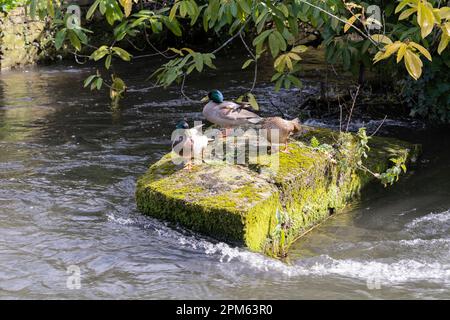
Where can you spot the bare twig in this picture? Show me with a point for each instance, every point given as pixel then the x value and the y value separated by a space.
pixel 378 128
pixel 284 115
pixel 223 45
pixel 184 94
pixel 340 114
pixel 161 53
pixel 353 106
pixel 255 75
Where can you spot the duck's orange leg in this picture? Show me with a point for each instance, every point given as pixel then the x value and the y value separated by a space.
pixel 188 166
pixel 286 148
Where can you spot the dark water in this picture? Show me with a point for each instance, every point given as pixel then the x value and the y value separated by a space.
pixel 68 167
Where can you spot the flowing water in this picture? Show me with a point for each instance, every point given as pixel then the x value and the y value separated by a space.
pixel 68 167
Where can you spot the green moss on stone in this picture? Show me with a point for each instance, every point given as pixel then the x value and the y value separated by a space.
pixel 237 203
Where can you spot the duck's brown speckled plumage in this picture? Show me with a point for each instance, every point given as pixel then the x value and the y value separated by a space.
pixel 285 128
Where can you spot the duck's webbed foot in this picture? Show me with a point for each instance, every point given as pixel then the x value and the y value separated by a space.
pixel 286 148
pixel 189 165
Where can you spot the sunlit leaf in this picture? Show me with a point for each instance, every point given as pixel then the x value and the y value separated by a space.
pixel 425 19
pixel 443 43
pixel 350 22
pixel 413 64
pixel 127 6
pixel 247 63
pixel 401 52
pixel 252 101
pixel 123 54
pixel 59 38
pixel 405 14
pixel 381 38
pixel 422 50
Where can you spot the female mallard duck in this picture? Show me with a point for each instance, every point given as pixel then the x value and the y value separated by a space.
pixel 285 129
pixel 191 144
pixel 227 114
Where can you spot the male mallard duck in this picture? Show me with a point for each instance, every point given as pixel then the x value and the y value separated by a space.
pixel 191 144
pixel 285 129
pixel 227 114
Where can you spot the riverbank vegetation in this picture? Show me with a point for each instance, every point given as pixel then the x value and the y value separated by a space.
pixel 8 5
pixel 406 40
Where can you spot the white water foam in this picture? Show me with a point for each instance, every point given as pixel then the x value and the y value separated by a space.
pixel 386 271
pixel 431 224
pixel 119 220
pixel 434 218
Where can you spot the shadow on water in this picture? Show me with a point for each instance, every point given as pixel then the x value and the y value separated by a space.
pixel 68 167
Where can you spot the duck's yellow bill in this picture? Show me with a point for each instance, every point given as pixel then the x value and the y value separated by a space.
pixel 205 99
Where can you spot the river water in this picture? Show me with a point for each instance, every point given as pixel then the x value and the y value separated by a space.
pixel 68 167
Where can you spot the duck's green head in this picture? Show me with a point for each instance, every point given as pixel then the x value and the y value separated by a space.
pixel 216 96
pixel 182 125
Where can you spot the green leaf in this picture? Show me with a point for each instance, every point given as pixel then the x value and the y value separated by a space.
pixel 207 59
pixel 295 81
pixel 173 11
pixel 81 35
pixel 276 76
pixel 260 38
pixel 123 54
pixel 59 38
pixel 99 83
pixel 173 26
pixel 99 53
pixel 252 101
pixel 247 63
pixel 89 80
pixel 198 59
pixel 274 45
pixel 92 9
pixel 401 5
pixel 405 14
pixel 299 49
pixel 278 84
pixel 244 6
pixel 281 41
pixel 74 40
pixel 381 38
pixel 108 61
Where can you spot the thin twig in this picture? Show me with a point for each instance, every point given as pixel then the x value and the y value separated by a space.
pixel 134 46
pixel 284 115
pixel 340 114
pixel 162 53
pixel 379 126
pixel 147 55
pixel 183 93
pixel 255 59
pixel 353 106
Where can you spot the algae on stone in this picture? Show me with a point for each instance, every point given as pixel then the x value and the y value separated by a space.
pixel 237 203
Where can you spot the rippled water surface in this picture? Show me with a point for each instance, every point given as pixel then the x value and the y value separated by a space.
pixel 68 167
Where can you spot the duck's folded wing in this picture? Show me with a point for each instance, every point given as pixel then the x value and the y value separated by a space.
pixel 234 111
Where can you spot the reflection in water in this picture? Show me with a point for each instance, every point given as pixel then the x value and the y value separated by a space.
pixel 68 167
